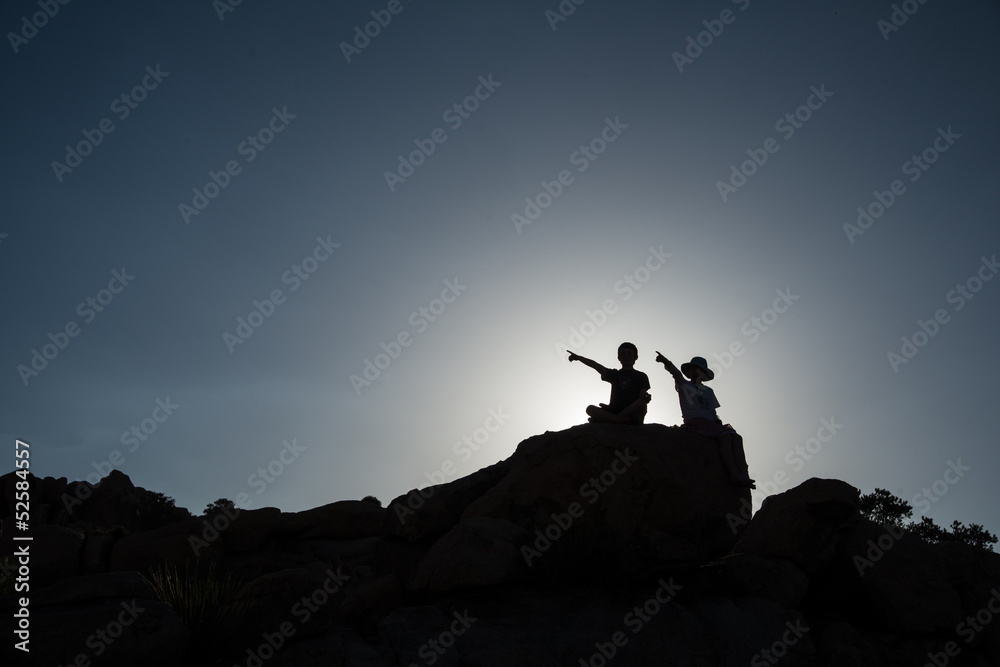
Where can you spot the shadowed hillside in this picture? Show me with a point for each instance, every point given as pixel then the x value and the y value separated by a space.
pixel 587 546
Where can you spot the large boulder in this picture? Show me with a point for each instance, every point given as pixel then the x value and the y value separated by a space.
pixel 905 580
pixel 111 502
pixel 96 556
pixel 177 543
pixel 339 648
pixel 249 530
pixel 342 520
pixel 43 492
pixel 879 589
pixel 307 598
pixel 479 551
pixel 591 500
pixel 746 575
pixel 55 553
pixel 95 587
pixel 426 514
pixel 806 524
pixel 602 498
pixel 647 624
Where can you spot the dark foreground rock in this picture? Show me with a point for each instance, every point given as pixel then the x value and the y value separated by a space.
pixel 591 501
pixel 106 619
pixel 597 545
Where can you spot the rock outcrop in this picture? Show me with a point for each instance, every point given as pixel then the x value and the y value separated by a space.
pixel 591 501
pixel 588 545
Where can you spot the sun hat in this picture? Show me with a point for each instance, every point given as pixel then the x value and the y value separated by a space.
pixel 697 362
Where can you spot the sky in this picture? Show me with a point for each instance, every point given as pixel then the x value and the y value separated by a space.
pixel 308 252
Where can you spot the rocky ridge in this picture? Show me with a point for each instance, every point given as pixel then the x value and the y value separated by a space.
pixel 595 544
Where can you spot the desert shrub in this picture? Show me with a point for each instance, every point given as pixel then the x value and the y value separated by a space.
pixel 218 506
pixel 207 601
pixel 156 509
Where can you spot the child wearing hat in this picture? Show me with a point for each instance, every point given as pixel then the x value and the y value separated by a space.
pixel 627 404
pixel 698 404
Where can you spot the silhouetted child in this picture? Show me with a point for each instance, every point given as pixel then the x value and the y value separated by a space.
pixel 627 404
pixel 698 404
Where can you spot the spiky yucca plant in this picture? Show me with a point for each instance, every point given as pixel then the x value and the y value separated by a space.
pixel 207 601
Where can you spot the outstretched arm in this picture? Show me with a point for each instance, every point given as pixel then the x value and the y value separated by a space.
pixel 573 356
pixel 673 370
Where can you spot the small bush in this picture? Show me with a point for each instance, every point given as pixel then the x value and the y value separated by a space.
pixel 208 602
pixel 157 509
pixel 220 505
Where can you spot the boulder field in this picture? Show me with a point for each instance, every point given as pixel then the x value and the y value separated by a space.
pixel 596 545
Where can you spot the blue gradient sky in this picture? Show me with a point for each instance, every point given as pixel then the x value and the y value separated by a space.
pixel 521 289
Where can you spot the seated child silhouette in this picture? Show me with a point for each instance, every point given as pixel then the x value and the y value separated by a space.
pixel 627 404
pixel 698 404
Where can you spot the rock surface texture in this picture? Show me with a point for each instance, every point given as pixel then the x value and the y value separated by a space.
pixel 597 545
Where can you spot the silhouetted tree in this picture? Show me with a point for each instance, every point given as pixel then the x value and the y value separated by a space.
pixel 372 499
pixel 884 508
pixel 973 534
pixel 156 509
pixel 218 506
pixel 928 531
